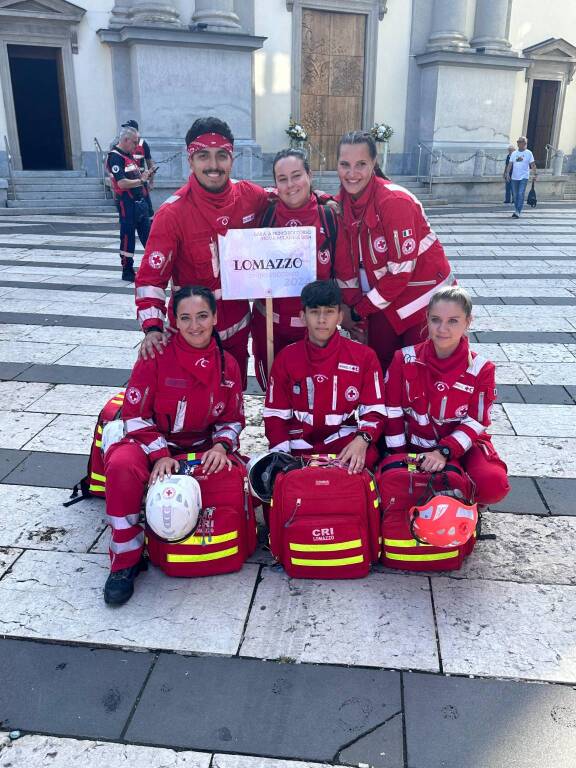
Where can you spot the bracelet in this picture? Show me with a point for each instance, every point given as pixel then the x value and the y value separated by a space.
pixel 153 329
pixel 224 445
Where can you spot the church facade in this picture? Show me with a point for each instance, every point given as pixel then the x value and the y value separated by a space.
pixel 457 80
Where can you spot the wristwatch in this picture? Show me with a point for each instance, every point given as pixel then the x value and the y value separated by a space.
pixel 365 436
pixel 445 451
pixel 355 316
pixel 224 445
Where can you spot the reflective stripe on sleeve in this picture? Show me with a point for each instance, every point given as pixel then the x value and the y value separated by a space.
pixel 151 292
pixel 304 416
pixel 151 313
pixel 284 446
pixel 462 438
pixel 422 442
pixel 396 268
pixel 376 408
pixel 279 413
pixel 426 242
pixel 131 425
pixel 423 300
pixel 343 432
pixel 353 283
pixel 394 412
pixel 233 329
pixel 395 441
pixel 335 419
pixel 156 445
pixel 376 299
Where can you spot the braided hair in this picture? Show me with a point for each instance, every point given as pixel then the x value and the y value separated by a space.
pixel 204 293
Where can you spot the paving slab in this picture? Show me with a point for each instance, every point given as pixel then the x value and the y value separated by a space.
pixel 552 394
pixel 510 373
pixel 76 374
pixel 10 459
pixel 33 352
pixel 523 337
pixel 527 549
pixel 504 629
pixel 68 321
pixel 54 752
pixel 195 615
pixel 9 371
pixel 74 399
pixel 34 517
pixel 535 353
pixel 560 494
pixel 247 761
pixel 98 356
pixel 501 424
pixel 75 432
pixel 19 395
pixel 523 498
pixel 538 456
pixel 255 707
pixel 70 691
pixel 546 420
pixel 384 620
pixel 508 393
pixel 382 748
pixel 550 373
pixel 17 428
pixel 8 555
pixel 455 722
pixel 54 470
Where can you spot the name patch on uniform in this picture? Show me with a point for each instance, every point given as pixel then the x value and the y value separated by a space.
pixel 180 383
pixel 463 387
pixel 347 367
pixel 248 219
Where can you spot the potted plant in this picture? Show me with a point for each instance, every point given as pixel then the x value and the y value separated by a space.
pixel 381 133
pixel 297 134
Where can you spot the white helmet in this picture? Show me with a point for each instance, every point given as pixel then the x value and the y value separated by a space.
pixel 173 506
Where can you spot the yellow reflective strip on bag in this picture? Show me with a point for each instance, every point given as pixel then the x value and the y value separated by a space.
pixel 376 503
pixel 98 443
pixel 190 456
pixel 97 488
pixel 372 486
pixel 210 540
pixel 341 561
pixel 118 402
pixel 202 558
pixel 99 429
pixel 422 558
pixel 95 476
pixel 403 543
pixel 354 544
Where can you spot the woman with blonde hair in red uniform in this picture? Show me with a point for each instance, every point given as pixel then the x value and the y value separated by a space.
pixel 297 206
pixel 439 397
pixel 389 261
pixel 187 399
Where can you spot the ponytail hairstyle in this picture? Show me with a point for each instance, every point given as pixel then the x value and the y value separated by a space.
pixel 362 137
pixel 187 292
pixel 291 152
pixel 454 293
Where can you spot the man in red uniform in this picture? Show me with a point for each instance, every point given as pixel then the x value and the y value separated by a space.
pixel 325 393
pixel 183 243
pixel 143 158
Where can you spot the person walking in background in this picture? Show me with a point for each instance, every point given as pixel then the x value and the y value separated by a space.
pixel 143 157
pixel 518 171
pixel 509 197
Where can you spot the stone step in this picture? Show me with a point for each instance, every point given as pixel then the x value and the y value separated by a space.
pixel 57 184
pixel 61 194
pixel 78 210
pixel 55 174
pixel 52 203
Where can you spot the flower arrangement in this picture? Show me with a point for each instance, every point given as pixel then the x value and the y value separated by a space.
pixel 295 131
pixel 381 132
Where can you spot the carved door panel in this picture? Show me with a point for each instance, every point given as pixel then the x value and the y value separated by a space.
pixel 332 87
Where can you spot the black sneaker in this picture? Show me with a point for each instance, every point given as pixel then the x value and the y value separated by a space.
pixel 128 273
pixel 119 586
pixel 515 215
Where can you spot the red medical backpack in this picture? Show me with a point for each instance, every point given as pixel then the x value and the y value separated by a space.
pixel 226 532
pixel 402 485
pixel 324 522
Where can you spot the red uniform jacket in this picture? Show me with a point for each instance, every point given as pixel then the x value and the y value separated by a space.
pixel 314 393
pixel 179 401
pixel 432 401
pixel 184 248
pixel 402 257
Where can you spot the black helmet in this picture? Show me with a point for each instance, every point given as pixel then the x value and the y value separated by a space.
pixel 262 471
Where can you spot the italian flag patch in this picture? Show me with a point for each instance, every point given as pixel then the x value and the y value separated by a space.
pixel 406 233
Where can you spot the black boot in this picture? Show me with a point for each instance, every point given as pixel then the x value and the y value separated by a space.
pixel 128 273
pixel 119 586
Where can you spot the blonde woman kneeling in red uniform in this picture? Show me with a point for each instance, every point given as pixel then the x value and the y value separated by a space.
pixel 297 206
pixel 439 396
pixel 318 385
pixel 187 399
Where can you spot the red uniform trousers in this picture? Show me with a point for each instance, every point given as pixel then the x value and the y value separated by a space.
pixel 384 340
pixel 488 471
pixel 283 335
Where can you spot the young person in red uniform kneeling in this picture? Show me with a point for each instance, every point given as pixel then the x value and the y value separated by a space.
pixel 187 399
pixel 297 206
pixel 390 261
pixel 439 396
pixel 325 393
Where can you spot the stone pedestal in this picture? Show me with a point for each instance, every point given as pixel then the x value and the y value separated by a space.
pixel 154 12
pixel 491 26
pixel 162 78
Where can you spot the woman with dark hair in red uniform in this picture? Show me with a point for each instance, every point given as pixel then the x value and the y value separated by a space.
pixel 439 396
pixel 389 261
pixel 297 206
pixel 187 399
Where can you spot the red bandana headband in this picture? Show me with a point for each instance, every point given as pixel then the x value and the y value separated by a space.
pixel 209 141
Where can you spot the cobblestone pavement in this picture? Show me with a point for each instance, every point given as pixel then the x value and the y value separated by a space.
pixel 476 669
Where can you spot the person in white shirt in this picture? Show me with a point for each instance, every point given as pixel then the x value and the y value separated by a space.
pixel 518 171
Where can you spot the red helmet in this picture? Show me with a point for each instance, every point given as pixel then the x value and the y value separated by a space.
pixel 443 521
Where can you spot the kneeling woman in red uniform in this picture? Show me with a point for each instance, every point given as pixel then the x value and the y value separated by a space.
pixel 187 399
pixel 439 396
pixel 297 206
pixel 325 393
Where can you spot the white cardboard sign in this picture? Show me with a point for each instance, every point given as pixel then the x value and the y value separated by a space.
pixel 267 263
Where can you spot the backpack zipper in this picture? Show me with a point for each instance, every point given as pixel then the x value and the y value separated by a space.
pixel 289 522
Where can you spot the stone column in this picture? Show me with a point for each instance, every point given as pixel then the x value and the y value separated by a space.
pixel 218 15
pixel 449 26
pixel 120 15
pixel 154 12
pixel 491 26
